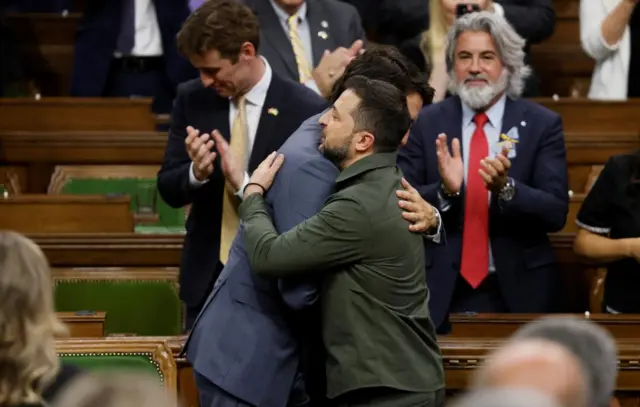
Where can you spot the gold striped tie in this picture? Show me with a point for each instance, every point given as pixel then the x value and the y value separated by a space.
pixel 304 70
pixel 230 202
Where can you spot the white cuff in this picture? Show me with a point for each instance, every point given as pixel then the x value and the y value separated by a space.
pixel 444 203
pixel 193 181
pixel 498 9
pixel 311 84
pixel 240 192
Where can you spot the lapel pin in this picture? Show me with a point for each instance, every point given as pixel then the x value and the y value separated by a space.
pixel 273 111
pixel 323 35
pixel 523 123
pixel 324 24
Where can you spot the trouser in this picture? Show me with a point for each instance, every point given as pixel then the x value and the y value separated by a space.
pixel 387 397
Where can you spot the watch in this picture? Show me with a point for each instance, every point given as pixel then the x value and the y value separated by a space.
pixel 508 191
pixel 446 194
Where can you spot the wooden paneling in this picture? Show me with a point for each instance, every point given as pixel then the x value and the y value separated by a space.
pixel 84 325
pixel 66 214
pixel 503 325
pixel 76 114
pixel 110 249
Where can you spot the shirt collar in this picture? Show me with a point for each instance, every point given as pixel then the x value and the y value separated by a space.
pixel 283 16
pixel 371 162
pixel 495 112
pixel 257 95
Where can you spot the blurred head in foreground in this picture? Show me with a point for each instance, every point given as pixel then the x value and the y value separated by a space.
pixel 116 389
pixel 539 365
pixel 28 323
pixel 505 398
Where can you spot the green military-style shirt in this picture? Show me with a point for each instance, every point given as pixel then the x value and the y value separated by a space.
pixel 375 317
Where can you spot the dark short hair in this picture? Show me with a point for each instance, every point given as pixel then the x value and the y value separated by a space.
pixel 222 25
pixel 388 64
pixel 382 111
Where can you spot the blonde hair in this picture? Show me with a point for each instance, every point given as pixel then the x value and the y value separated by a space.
pixel 434 40
pixel 117 389
pixel 28 324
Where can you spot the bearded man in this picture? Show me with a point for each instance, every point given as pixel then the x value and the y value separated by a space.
pixel 495 166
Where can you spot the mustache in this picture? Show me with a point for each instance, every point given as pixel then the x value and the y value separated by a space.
pixel 475 77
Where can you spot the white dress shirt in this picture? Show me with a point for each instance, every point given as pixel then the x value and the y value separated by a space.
pixel 492 130
pixel 147 40
pixel 254 104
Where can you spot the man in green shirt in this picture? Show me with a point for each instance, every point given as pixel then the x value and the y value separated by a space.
pixel 381 344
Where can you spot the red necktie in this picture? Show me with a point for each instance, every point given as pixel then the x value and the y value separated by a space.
pixel 475 232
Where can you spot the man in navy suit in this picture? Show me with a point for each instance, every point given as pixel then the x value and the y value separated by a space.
pixel 495 166
pixel 255 335
pixel 127 48
pixel 244 101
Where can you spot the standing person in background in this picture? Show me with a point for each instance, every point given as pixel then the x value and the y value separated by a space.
pixel 127 48
pixel 240 98
pixel 309 41
pixel 610 34
pixel 533 20
pixel 495 166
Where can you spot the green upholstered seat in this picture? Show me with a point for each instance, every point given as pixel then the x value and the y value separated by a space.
pixel 133 306
pixel 170 219
pixel 136 362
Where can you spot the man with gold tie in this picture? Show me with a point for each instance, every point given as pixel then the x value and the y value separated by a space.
pixel 255 109
pixel 310 41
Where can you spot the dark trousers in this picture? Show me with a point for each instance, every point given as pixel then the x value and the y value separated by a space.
pixel 211 395
pixel 387 397
pixel 150 82
pixel 486 298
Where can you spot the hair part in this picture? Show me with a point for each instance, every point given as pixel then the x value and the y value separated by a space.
pixel 221 25
pixel 509 44
pixel 28 323
pixel 382 111
pixel 388 64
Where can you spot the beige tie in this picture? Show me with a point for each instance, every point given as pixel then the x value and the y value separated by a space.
pixel 304 70
pixel 230 201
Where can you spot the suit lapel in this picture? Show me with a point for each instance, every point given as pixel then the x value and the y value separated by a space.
pixel 271 29
pixel 267 124
pixel 318 25
pixel 513 117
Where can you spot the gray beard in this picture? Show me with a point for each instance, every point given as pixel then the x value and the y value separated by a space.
pixel 479 97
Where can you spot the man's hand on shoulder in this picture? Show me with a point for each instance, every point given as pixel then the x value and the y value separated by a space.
pixel 263 176
pixel 422 216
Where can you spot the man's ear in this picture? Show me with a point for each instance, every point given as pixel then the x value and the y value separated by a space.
pixel 363 141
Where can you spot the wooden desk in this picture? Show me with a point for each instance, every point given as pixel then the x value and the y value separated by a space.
pixel 66 214
pixel 83 325
pixel 502 325
pixel 76 114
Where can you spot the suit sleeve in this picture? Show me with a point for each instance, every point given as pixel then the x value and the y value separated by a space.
pixel 173 177
pixel 307 193
pixel 327 240
pixel 545 202
pixel 534 21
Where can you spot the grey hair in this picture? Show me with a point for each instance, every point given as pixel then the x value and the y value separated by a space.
pixel 591 344
pixel 514 397
pixel 509 44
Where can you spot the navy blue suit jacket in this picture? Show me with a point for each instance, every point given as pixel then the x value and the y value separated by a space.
pixel 205 110
pixel 523 256
pixel 96 39
pixel 244 340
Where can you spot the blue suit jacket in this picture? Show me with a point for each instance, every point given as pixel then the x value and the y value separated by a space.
pixel 96 39
pixel 523 256
pixel 205 110
pixel 243 340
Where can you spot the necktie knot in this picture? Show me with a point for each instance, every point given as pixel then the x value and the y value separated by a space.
pixel 293 21
pixel 480 119
pixel 241 102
